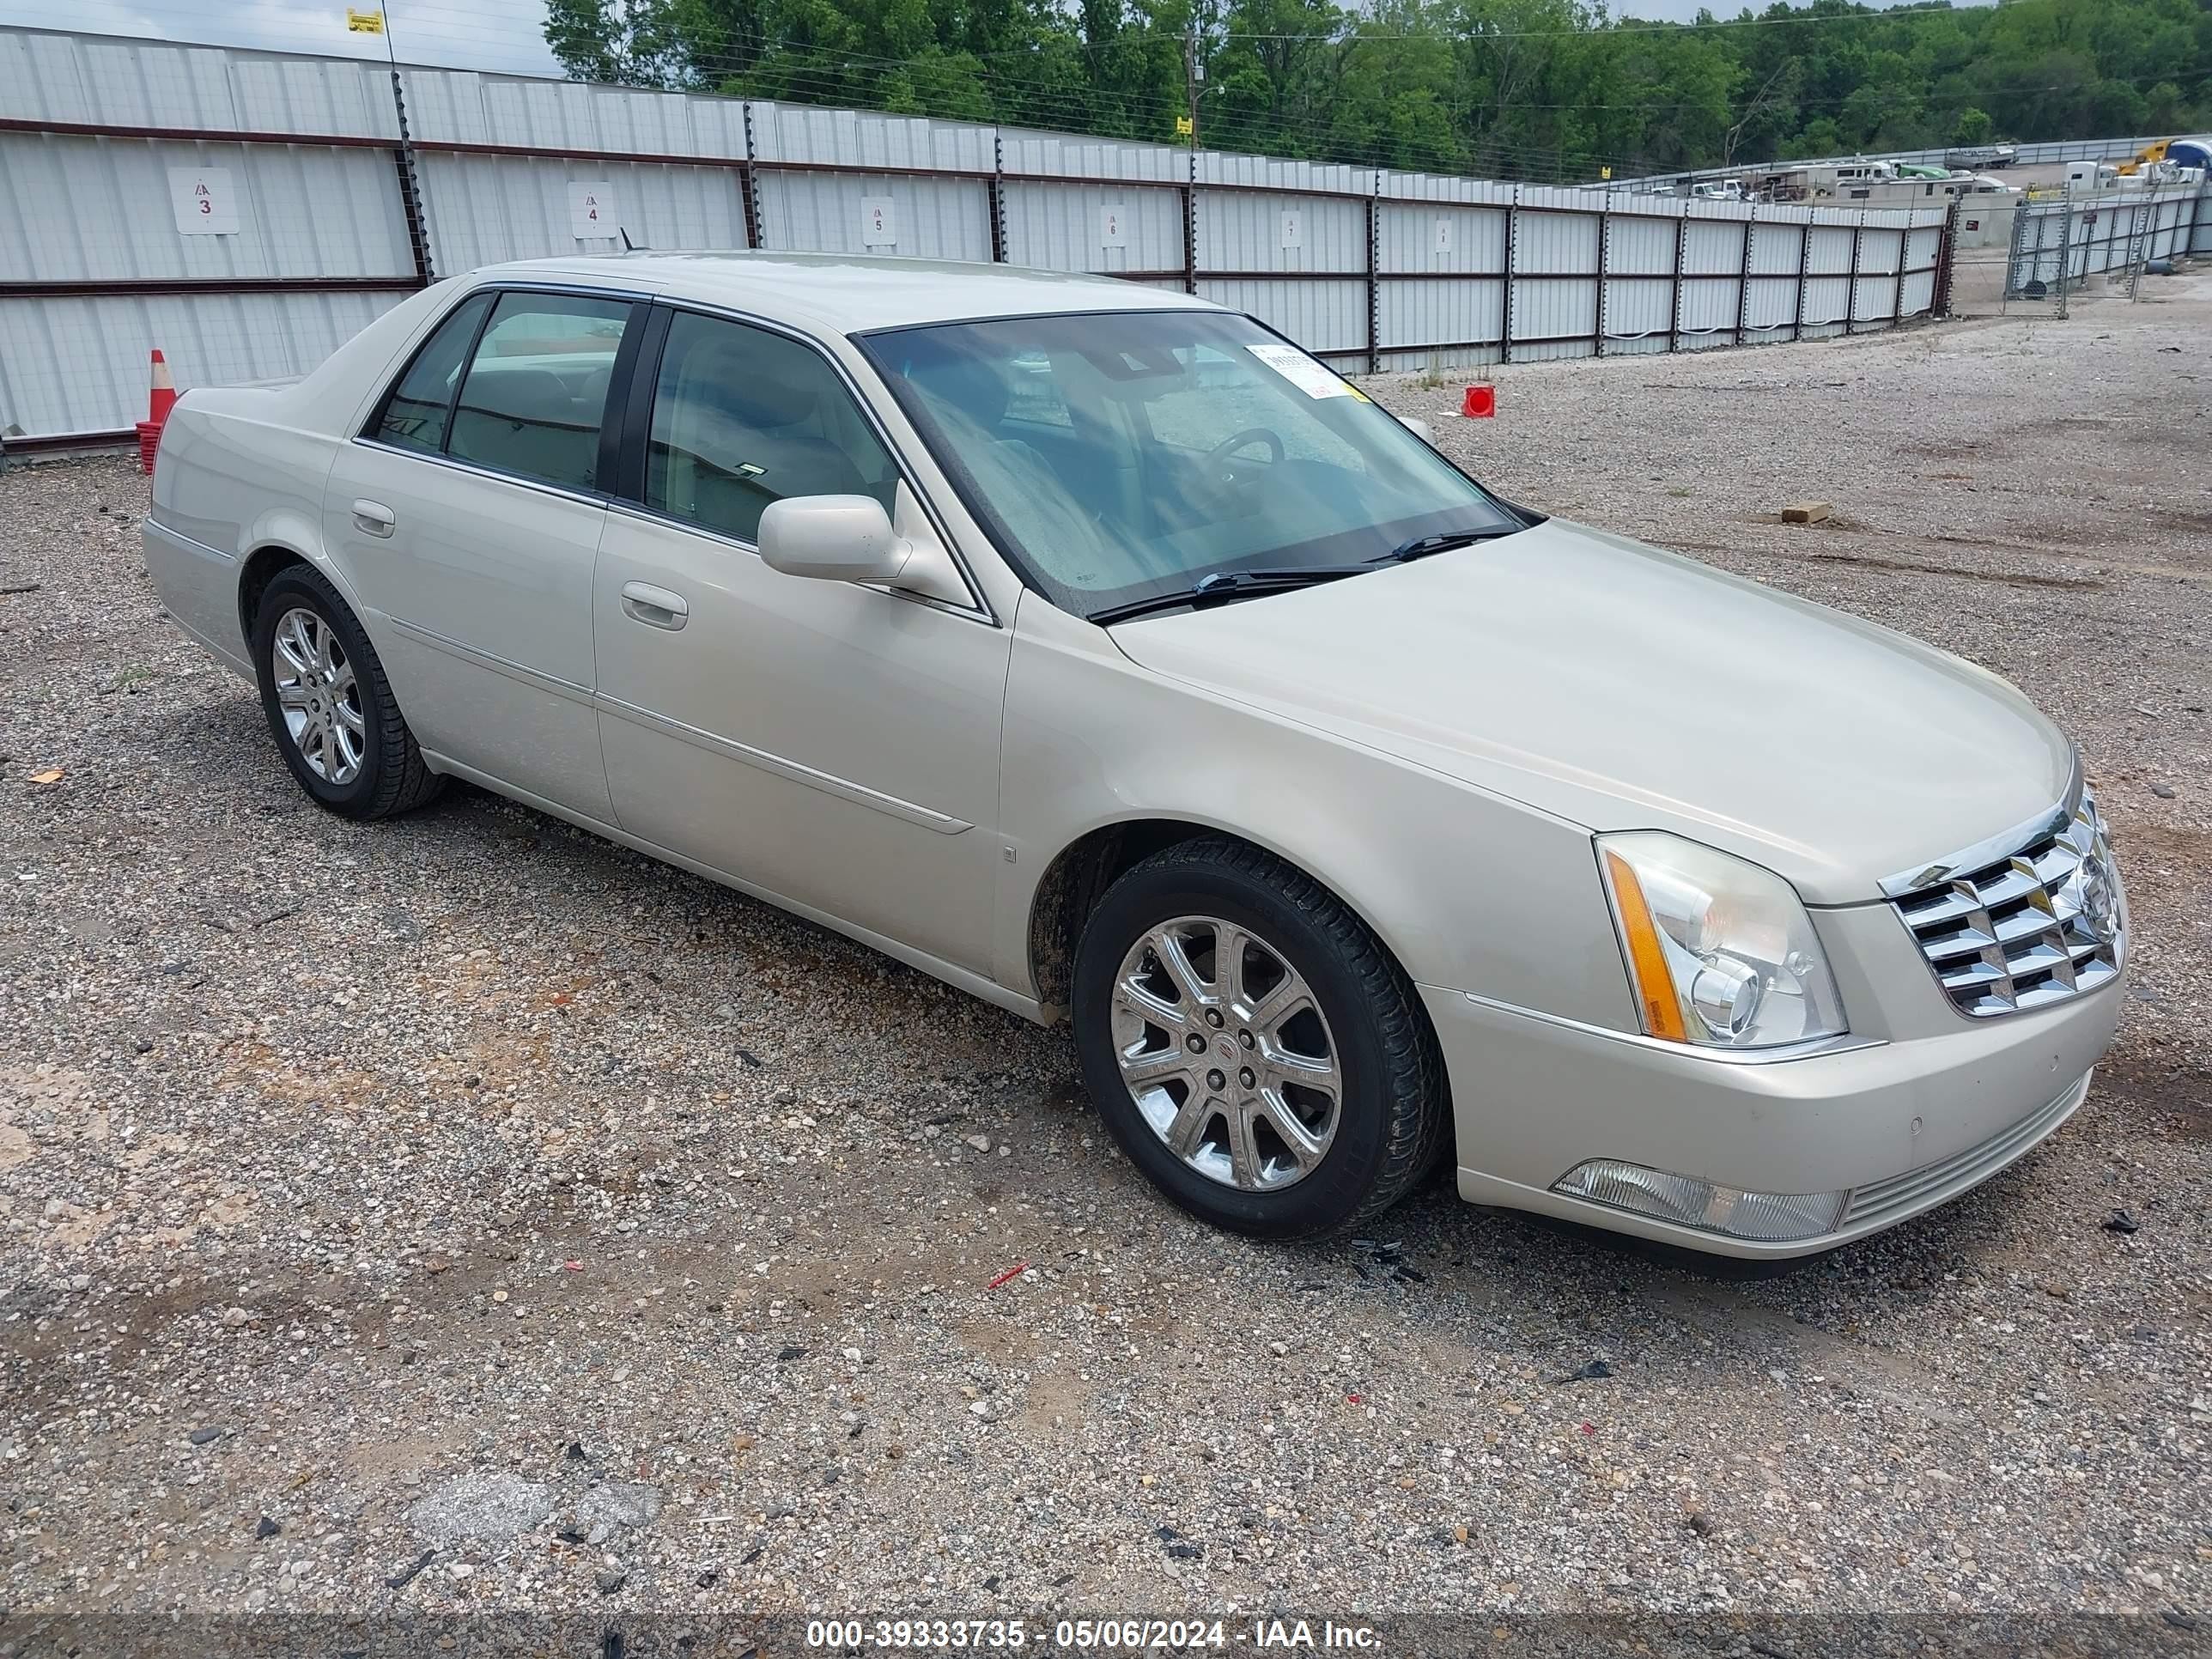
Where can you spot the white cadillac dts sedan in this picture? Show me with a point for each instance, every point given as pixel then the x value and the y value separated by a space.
pixel 1096 650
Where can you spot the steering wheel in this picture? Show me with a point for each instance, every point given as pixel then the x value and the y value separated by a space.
pixel 1216 459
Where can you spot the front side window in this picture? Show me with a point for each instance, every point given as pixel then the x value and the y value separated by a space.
pixel 742 418
pixel 417 414
pixel 537 386
pixel 1124 455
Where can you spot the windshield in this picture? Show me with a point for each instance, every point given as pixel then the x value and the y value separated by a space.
pixel 1123 455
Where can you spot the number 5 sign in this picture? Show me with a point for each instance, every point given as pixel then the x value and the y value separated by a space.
pixel 204 201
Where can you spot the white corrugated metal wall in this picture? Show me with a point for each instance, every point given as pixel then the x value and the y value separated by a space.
pixel 1382 270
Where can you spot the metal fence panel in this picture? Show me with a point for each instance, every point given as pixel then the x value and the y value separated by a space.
pixel 1550 313
pixel 484 209
pixel 853 138
pixel 1328 318
pixel 467 107
pixel 1065 155
pixel 1555 244
pixel 118 225
pixel 1439 236
pixel 1109 228
pixel 104 81
pixel 1457 323
pixel 1639 316
pixel 926 217
pixel 79 365
pixel 1243 232
pixel 1642 246
pixel 1776 244
pixel 1769 309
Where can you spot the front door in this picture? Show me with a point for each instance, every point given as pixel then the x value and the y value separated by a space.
pixel 834 745
pixel 469 516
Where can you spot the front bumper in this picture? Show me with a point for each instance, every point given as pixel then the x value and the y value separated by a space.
pixel 1906 1123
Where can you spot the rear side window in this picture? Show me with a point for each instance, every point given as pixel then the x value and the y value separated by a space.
pixel 537 386
pixel 415 414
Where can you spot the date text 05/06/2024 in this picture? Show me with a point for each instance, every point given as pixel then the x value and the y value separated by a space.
pixel 1088 1635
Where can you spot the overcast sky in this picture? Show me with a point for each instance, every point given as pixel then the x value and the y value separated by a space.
pixel 492 34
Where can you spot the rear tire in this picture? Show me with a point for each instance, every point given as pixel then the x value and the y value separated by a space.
pixel 1298 1094
pixel 329 704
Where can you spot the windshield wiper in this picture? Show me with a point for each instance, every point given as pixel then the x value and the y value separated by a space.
pixel 1421 546
pixel 1226 585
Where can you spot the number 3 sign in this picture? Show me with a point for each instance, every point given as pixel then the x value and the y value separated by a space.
pixel 204 201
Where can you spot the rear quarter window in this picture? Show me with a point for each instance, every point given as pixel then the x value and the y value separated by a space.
pixel 419 409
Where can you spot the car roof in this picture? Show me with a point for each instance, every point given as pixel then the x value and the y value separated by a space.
pixel 850 293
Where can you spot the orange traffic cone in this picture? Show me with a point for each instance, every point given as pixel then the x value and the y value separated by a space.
pixel 161 398
pixel 1481 403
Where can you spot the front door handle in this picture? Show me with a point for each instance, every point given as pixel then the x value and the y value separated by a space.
pixel 656 607
pixel 372 518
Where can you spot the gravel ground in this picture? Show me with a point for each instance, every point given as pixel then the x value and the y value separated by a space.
pixel 463 1213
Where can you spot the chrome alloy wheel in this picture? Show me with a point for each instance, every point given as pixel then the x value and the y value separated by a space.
pixel 319 695
pixel 1225 1049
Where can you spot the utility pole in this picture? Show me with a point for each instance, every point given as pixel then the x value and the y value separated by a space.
pixel 1191 75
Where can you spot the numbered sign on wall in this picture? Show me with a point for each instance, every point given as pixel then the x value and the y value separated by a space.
pixel 1113 227
pixel 879 225
pixel 204 201
pixel 1443 236
pixel 1294 227
pixel 592 212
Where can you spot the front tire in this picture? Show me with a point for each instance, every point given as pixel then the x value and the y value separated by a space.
pixel 329 707
pixel 1252 1045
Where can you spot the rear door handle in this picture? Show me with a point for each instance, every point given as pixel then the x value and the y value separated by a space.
pixel 656 607
pixel 372 518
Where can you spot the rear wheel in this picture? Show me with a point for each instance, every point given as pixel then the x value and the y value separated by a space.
pixel 1252 1045
pixel 329 707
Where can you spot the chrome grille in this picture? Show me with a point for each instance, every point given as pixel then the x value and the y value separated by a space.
pixel 2025 927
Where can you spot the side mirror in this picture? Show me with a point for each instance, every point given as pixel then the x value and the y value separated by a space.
pixel 839 538
pixel 1420 429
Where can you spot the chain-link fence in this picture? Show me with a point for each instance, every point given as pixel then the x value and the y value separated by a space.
pixel 2044 252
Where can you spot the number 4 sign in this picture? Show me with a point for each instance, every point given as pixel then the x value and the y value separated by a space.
pixel 204 201
pixel 591 216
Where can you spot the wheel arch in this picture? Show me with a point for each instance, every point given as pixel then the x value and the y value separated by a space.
pixel 259 568
pixel 1078 876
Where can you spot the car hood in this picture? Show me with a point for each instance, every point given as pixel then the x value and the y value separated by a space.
pixel 1622 687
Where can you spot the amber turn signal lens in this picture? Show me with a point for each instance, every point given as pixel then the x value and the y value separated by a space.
pixel 1655 987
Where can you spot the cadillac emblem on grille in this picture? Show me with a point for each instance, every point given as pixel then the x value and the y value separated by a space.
pixel 2021 928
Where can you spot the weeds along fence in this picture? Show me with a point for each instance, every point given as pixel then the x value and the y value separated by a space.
pixel 247 211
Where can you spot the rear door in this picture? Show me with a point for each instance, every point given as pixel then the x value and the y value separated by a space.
pixel 469 515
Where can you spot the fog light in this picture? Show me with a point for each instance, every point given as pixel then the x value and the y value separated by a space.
pixel 1764 1217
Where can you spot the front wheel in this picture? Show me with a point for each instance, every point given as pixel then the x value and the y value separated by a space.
pixel 1252 1045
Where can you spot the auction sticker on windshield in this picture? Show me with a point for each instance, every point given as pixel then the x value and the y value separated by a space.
pixel 1304 373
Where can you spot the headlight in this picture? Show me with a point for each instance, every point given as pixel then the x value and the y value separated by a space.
pixel 1720 952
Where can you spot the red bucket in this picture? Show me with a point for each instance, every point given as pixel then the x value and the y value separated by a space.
pixel 149 440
